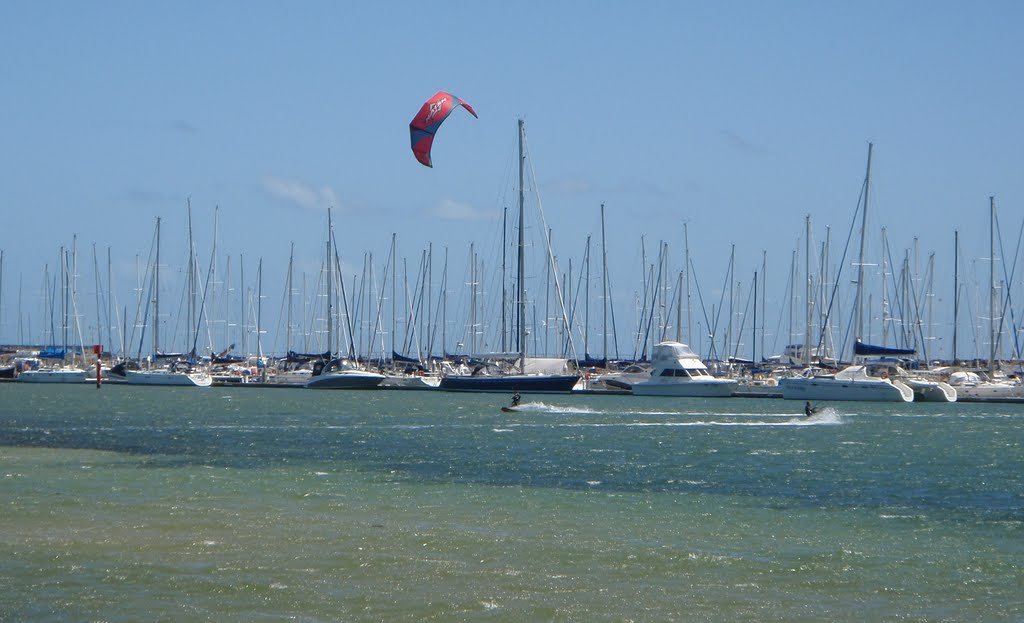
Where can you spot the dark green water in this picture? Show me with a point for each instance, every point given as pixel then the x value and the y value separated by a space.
pixel 180 504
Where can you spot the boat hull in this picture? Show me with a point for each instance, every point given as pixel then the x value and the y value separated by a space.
pixel 52 376
pixel 350 379
pixel 990 392
pixel 293 378
pixel 802 388
pixel 534 384
pixel 705 388
pixel 931 391
pixel 167 378
pixel 411 382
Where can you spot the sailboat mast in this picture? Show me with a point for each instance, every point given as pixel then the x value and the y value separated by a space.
pixel 807 290
pixel 394 294
pixel 860 260
pixel 686 268
pixel 99 289
pixel 956 289
pixel 604 296
pixel 64 300
pixel 764 276
pixel 521 269
pixel 156 292
pixel 191 279
pixel 330 293
pixel 290 294
pixel 992 284
pixel 885 299
pixel 472 298
pixel 753 337
pixel 259 309
pixel 504 285
pixel 586 307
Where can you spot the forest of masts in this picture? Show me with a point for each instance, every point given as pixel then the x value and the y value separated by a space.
pixel 416 307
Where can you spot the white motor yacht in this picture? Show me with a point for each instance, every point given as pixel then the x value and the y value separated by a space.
pixel 678 371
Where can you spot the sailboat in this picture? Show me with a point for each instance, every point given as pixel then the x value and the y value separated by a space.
pixel 529 376
pixel 178 373
pixel 995 385
pixel 338 373
pixel 860 381
pixel 51 365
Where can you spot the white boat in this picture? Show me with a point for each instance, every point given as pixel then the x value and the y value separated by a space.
pixel 972 387
pixel 927 390
pixel 411 381
pixel 298 377
pixel 678 371
pixel 857 382
pixel 62 374
pixel 619 380
pixel 759 387
pixel 340 374
pixel 167 377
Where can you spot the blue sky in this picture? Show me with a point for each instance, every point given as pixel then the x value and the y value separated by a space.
pixel 737 118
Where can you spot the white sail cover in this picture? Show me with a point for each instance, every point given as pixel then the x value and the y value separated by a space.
pixel 545 365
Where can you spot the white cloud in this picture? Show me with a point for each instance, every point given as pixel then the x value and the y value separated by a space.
pixel 301 194
pixel 452 210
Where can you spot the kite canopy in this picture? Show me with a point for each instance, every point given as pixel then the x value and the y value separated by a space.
pixel 430 117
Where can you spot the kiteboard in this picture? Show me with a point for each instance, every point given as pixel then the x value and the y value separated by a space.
pixel 509 409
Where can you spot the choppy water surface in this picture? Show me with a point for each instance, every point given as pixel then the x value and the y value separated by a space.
pixel 129 504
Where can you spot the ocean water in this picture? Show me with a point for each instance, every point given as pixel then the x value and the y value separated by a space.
pixel 235 504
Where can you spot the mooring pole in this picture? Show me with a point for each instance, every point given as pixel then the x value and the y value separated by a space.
pixel 97 349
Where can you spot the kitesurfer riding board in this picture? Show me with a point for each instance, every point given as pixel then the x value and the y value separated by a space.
pixel 515 403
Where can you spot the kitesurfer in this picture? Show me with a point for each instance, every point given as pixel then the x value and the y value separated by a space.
pixel 808 409
pixel 515 399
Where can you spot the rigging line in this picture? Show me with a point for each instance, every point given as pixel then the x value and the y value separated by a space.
pixel 743 323
pixel 718 315
pixel 336 260
pixel 787 297
pixel 147 282
pixel 648 279
pixel 377 325
pixel 202 300
pixel 575 301
pixel 650 316
pixel 896 288
pixel 1008 303
pixel 700 299
pixel 835 287
pixel 917 321
pixel 671 308
pixel 412 307
pixel 551 257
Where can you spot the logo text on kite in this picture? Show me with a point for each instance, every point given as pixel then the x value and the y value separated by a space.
pixel 435 107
